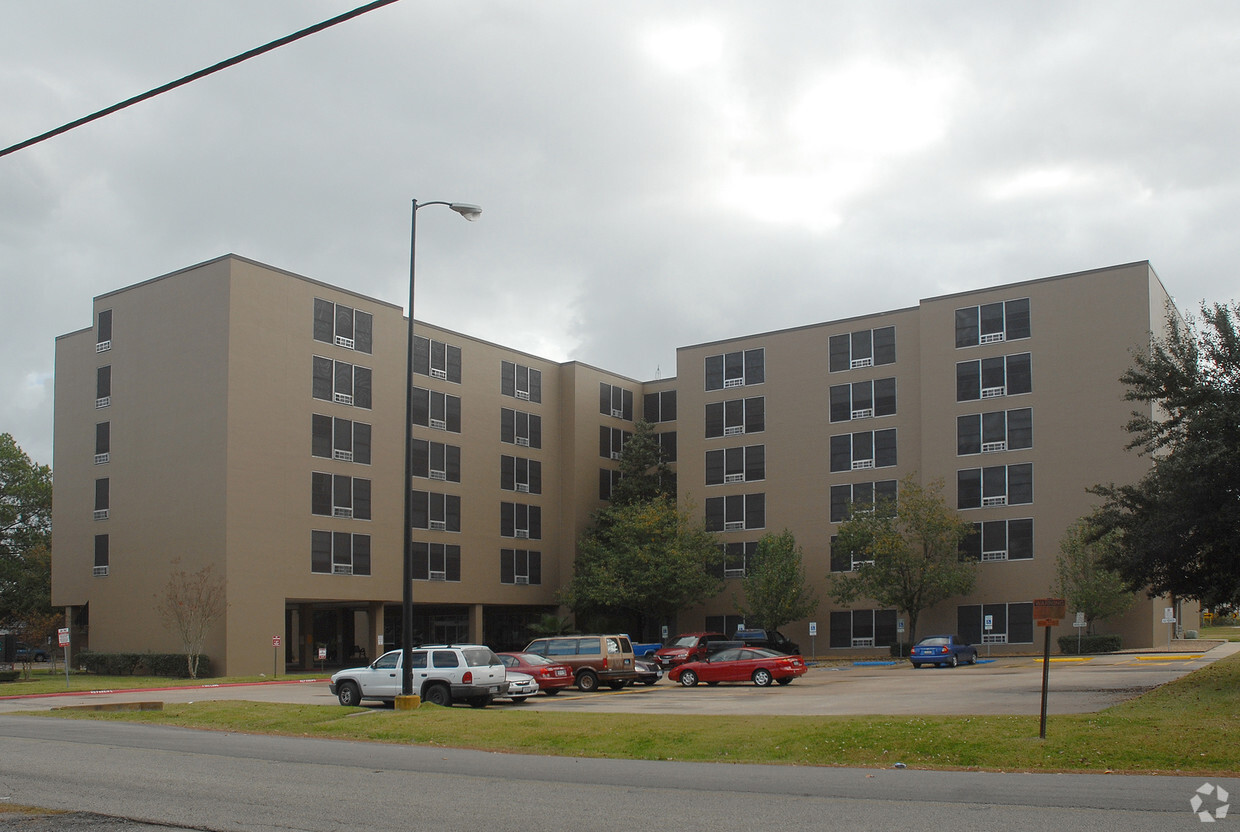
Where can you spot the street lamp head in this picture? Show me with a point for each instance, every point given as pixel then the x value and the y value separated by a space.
pixel 469 212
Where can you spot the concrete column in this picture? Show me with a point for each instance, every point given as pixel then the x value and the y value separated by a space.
pixel 374 614
pixel 305 623
pixel 475 624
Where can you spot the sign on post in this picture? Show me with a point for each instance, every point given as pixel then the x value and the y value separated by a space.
pixel 1048 612
pixel 62 636
pixel 988 623
pixel 813 628
pixel 1168 615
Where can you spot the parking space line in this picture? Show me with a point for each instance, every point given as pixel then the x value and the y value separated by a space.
pixel 1184 658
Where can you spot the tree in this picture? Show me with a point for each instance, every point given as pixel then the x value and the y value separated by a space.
pixel 644 473
pixel 191 603
pixel 25 535
pixel 1081 578
pixel 910 550
pixel 776 591
pixel 1180 524
pixel 648 558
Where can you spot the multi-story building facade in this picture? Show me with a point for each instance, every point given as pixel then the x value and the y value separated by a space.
pixel 250 420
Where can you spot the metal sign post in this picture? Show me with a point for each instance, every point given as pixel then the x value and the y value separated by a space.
pixel 900 633
pixel 1169 620
pixel 813 634
pixel 1047 612
pixel 988 624
pixel 275 654
pixel 1079 623
pixel 62 636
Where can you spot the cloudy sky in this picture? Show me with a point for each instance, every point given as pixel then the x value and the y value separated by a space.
pixel 652 174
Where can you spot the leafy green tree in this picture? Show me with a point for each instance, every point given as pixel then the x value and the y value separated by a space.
pixel 1083 581
pixel 910 550
pixel 644 473
pixel 776 590
pixel 25 535
pixel 1180 524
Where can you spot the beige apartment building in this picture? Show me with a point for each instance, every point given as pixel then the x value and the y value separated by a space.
pixel 241 417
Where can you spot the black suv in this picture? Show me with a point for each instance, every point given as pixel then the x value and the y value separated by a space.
pixel 772 639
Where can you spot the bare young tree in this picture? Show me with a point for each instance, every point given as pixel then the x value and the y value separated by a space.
pixel 190 604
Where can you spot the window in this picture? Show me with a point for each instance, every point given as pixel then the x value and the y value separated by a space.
pixel 999 540
pixel 520 566
pixel 660 407
pixel 867 449
pixel 341 382
pixel 341 439
pixel 611 441
pixel 865 348
pixel 863 628
pixel 520 520
pixel 436 512
pixel 736 512
pixel 1003 375
pixel 344 326
pixel 615 401
pixel 103 386
pixel 843 560
pixel 334 495
pixel 520 382
pixel 863 399
pixel 103 333
pixel 1000 430
pixel 607 481
pixel 339 553
pixel 736 558
pixel 1000 485
pixel 667 445
pixel 436 461
pixel 1009 623
pixel 440 411
pixel 520 474
pixel 726 624
pixel 436 359
pixel 519 428
pixel 735 417
pixel 861 496
pixel 102 561
pixel 103 442
pixel 992 322
pixel 747 464
pixel 102 496
pixel 436 562
pixel 736 369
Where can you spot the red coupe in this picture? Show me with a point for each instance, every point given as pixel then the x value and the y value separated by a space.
pixel 552 677
pixel 740 664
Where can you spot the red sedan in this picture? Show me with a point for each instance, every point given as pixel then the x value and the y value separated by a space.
pixel 552 677
pixel 740 664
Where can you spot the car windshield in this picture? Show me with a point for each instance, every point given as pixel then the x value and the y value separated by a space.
pixel 480 656
pixel 683 641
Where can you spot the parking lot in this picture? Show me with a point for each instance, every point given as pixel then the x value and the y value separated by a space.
pixel 999 686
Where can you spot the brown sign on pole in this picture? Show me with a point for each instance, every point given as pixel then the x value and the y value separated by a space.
pixel 1048 612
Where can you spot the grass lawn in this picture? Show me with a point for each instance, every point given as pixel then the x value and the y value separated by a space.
pixel 1189 726
pixel 1227 633
pixel 44 680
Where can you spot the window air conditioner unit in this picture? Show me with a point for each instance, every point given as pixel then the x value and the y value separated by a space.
pixel 859 464
pixel 734 526
pixel 995 501
pixel 995 555
pixel 523 395
pixel 733 382
pixel 99 572
pixel 619 414
pixel 101 514
pixel 342 569
pixel 439 576
pixel 991 338
pixel 438 526
pixel 615 454
pixel 438 373
pixel 103 346
pixel 343 456
pixel 992 447
pixel 523 486
pixel 522 533
pixel 863 642
pixel 439 475
pixel 994 638
pixel 524 441
pixel 734 573
pixel 439 424
pixel 342 398
pixel 993 392
pixel 857 564
pixel 103 402
pixel 734 430
pixel 734 478
pixel 858 363
pixel 521 579
pixel 341 511
pixel 341 341
pixel 100 459
pixel 863 413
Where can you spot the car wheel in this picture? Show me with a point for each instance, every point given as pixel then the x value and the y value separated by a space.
pixel 438 695
pixel 973 659
pixel 916 665
pixel 616 685
pixel 654 681
pixel 955 660
pixel 712 684
pixel 479 701
pixel 688 678
pixel 517 700
pixel 762 677
pixel 349 694
pixel 587 682
pixel 786 681
pixel 551 691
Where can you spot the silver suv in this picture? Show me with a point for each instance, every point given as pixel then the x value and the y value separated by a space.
pixel 442 674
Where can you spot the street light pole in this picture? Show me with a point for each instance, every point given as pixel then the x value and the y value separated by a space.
pixel 471 213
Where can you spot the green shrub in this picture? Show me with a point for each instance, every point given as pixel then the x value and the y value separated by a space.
pixel 173 665
pixel 9 675
pixel 1089 644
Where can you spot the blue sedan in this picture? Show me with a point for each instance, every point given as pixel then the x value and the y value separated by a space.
pixel 942 650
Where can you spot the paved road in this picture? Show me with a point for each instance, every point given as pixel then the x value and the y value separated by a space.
pixel 219 781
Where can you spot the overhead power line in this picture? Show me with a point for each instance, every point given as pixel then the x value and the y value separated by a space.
pixel 202 73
